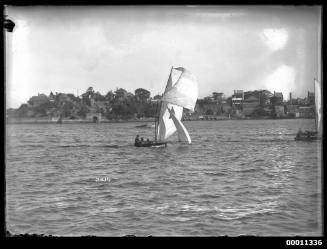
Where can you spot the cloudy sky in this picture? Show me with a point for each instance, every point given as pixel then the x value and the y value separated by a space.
pixel 69 48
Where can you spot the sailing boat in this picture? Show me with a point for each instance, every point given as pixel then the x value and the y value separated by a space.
pixel 314 135
pixel 181 92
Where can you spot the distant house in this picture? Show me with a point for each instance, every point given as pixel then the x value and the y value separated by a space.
pixel 38 100
pixel 310 98
pixel 291 110
pixel 306 112
pixel 218 97
pixel 250 105
pixel 279 97
pixel 237 99
pixel 279 111
pixel 298 101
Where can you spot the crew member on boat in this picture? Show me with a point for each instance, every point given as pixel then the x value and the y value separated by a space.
pixel 299 133
pixel 137 140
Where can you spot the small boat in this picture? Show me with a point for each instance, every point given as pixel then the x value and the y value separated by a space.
pixel 306 136
pixel 151 144
pixel 181 92
pixel 313 135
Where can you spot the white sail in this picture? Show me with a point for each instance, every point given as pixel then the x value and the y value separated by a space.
pixel 318 106
pixel 183 135
pixel 184 92
pixel 166 126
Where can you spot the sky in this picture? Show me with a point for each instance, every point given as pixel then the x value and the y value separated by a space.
pixel 70 48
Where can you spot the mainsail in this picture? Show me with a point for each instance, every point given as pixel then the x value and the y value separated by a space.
pixel 185 92
pixel 318 107
pixel 181 92
pixel 166 126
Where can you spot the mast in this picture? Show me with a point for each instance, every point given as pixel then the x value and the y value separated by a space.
pixel 155 123
pixel 315 107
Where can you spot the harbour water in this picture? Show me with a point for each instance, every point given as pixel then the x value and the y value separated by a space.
pixel 246 177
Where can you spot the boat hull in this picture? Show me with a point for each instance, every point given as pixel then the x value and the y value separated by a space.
pixel 151 144
pixel 307 136
pixel 145 126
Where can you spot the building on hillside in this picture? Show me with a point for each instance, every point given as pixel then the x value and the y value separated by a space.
pixel 38 100
pixel 291 110
pixel 264 97
pixel 306 112
pixel 279 111
pixel 300 101
pixel 279 98
pixel 250 105
pixel 237 99
pixel 310 98
pixel 218 97
pixel 290 99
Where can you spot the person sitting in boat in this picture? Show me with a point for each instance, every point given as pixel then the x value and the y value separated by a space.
pixel 299 133
pixel 148 141
pixel 142 140
pixel 137 140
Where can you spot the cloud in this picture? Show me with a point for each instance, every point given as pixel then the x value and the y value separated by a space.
pixel 281 80
pixel 275 39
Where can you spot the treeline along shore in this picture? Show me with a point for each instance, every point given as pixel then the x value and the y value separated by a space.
pixel 123 106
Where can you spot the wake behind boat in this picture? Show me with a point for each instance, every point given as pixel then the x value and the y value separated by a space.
pixel 181 92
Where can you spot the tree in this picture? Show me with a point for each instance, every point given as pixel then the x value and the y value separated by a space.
pixel 157 97
pixel 67 109
pixel 150 109
pixel 142 95
pixel 22 110
pixel 90 91
pixel 110 96
pixel 82 111
pixel 98 97
pixel 209 112
pixel 120 94
pixel 88 95
pixel 274 100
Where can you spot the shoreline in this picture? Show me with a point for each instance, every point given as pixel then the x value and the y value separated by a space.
pixel 82 121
